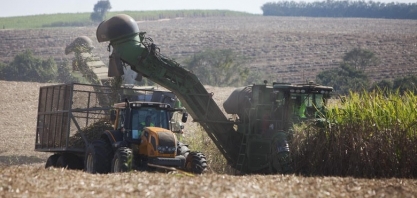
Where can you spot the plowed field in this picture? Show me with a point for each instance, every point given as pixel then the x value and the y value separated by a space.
pixel 291 49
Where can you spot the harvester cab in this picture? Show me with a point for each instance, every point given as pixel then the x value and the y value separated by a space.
pixel 303 102
pixel 266 115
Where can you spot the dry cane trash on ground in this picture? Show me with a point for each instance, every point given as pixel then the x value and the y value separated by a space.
pixel 28 178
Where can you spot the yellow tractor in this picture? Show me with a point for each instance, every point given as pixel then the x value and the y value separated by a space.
pixel 84 133
pixel 143 138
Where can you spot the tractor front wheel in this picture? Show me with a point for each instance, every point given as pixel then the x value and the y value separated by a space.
pixel 122 160
pixel 196 162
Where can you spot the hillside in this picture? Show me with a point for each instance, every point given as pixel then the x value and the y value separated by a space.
pixel 22 173
pixel 289 49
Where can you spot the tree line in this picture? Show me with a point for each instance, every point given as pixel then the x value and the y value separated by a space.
pixel 345 8
pixel 27 67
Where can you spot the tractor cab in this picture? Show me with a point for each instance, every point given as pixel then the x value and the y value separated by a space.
pixel 133 118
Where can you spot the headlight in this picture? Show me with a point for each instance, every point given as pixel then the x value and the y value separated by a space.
pixel 161 148
pixel 164 149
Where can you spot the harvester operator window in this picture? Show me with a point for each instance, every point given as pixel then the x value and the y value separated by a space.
pixel 300 105
pixel 307 105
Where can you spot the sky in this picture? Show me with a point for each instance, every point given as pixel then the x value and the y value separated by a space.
pixel 10 8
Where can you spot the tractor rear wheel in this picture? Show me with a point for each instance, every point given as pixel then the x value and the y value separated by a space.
pixel 122 161
pixel 195 162
pixel 69 161
pixel 97 157
pixel 51 161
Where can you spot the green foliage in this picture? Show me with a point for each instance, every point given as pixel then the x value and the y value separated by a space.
pixel 26 67
pixel 350 76
pixel 83 19
pixel 373 135
pixel 218 68
pixel 383 84
pixel 79 63
pixel 65 74
pixel 39 21
pixel 344 79
pixel 400 85
pixel 405 84
pixel 100 10
pixel 340 8
pixel 359 58
pixel 2 66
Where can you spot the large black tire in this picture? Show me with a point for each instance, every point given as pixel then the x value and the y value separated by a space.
pixel 195 162
pixel 69 161
pixel 281 163
pixel 122 160
pixel 98 157
pixel 281 158
pixel 51 161
pixel 182 149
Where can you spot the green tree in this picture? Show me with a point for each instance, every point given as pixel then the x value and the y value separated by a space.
pixel 100 10
pixel 344 79
pixel 26 67
pixel 2 66
pixel 360 58
pixel 405 84
pixel 384 86
pixel 218 68
pixel 350 76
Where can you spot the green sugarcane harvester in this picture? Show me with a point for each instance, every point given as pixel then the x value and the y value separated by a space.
pixel 256 140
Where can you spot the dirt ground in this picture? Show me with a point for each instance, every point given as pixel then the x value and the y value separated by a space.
pixel 22 172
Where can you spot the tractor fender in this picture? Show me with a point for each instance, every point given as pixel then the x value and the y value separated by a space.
pixel 112 136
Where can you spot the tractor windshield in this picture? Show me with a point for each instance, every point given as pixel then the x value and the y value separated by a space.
pixel 148 117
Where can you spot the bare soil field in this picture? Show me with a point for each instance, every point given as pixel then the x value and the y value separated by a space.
pixel 22 172
pixel 291 49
